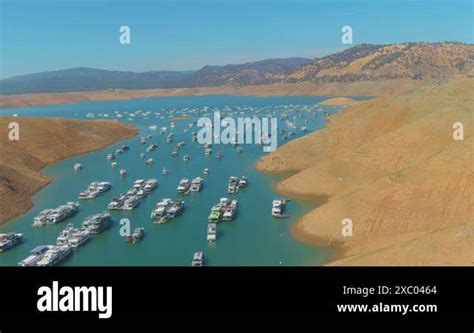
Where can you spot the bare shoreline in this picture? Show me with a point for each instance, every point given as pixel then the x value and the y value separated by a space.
pixel 334 89
pixel 295 229
pixel 340 101
pixel 377 176
pixel 21 174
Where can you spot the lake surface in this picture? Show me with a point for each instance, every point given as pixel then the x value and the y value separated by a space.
pixel 253 238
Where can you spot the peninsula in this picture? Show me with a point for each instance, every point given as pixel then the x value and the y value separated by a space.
pixel 45 141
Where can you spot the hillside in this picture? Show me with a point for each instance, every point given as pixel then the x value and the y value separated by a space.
pixel 44 141
pixel 391 166
pixel 255 73
pixel 365 62
pixel 417 61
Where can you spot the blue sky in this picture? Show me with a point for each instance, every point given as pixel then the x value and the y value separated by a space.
pixel 186 35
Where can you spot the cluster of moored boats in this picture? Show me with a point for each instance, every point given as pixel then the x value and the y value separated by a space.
pixel 111 157
pixel 166 210
pixel 292 122
pixel 144 139
pixel 225 210
pixel 186 186
pixel 119 152
pixel 177 148
pixel 94 190
pixel 152 146
pixel 55 215
pixel 236 183
pixel 70 238
pixel 46 255
pixel 140 190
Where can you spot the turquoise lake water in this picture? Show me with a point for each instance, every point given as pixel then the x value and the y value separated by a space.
pixel 253 238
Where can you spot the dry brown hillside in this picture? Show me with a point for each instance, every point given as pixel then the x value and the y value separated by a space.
pixel 391 166
pixel 376 62
pixel 44 141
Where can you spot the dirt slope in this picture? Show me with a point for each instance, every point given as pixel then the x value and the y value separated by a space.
pixel 44 141
pixel 391 166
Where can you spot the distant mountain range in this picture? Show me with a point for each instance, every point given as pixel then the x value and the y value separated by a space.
pixel 364 62
pixel 89 79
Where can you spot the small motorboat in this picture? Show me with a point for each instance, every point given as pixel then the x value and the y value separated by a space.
pixel 136 236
